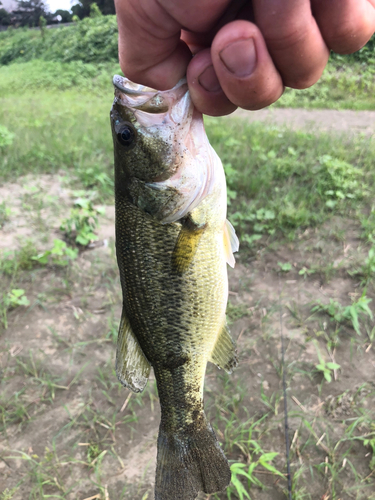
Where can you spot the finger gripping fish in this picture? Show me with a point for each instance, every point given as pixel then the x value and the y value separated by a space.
pixel 172 245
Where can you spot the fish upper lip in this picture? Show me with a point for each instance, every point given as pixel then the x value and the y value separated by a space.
pixel 139 98
pixel 137 90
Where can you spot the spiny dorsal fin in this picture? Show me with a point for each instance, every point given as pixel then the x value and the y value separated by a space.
pixel 231 243
pixel 224 353
pixel 186 245
pixel 132 366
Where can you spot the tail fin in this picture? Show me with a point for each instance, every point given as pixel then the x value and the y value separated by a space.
pixel 188 462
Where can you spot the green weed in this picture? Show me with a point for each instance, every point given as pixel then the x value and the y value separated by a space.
pixel 59 255
pixel 285 267
pixel 7 494
pixel 366 426
pixel 367 270
pixel 237 469
pixel 240 469
pixel 236 311
pixel 13 410
pixel 369 441
pixel 48 382
pixel 94 177
pixel 6 137
pixel 24 259
pixel 4 213
pixel 272 402
pixel 15 298
pixel 339 180
pixel 326 368
pixel 46 473
pixel 368 225
pixel 305 271
pixel 12 261
pixel 93 453
pixel 358 309
pixel 80 226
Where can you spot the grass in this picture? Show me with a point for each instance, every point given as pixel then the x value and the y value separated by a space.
pixel 65 134
pixel 284 182
pixel 55 76
pixel 302 206
pixel 278 180
pixel 345 84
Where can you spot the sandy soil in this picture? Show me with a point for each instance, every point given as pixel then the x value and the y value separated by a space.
pixel 343 121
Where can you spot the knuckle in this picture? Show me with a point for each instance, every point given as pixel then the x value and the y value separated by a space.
pixel 285 39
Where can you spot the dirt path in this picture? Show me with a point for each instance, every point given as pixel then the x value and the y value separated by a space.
pixel 342 121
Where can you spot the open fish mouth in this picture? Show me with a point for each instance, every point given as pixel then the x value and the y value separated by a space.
pixel 147 99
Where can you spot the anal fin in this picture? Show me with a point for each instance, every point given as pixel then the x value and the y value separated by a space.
pixel 132 366
pixel 224 353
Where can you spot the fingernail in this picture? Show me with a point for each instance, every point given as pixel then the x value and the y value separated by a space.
pixel 240 57
pixel 208 80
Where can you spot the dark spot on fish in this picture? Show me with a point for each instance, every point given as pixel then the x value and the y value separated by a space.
pixel 173 361
pixel 196 414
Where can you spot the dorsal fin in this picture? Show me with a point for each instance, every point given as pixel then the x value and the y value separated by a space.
pixel 132 366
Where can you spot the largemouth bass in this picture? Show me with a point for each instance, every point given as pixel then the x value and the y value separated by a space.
pixel 172 243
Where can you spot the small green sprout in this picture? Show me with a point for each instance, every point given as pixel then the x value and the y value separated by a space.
pixel 285 267
pixel 323 366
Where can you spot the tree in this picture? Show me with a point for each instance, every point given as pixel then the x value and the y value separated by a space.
pixel 94 10
pixel 82 9
pixel 5 18
pixel 30 11
pixel 66 16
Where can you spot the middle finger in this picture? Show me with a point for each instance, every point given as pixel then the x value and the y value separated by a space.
pixel 293 40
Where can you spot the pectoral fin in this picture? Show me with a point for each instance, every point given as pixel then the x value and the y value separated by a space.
pixel 186 245
pixel 224 353
pixel 132 366
pixel 231 243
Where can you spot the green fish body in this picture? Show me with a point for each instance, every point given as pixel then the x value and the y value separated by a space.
pixel 172 245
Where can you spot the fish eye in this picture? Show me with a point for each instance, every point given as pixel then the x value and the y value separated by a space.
pixel 126 135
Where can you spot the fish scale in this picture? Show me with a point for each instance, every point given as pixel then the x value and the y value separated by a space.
pixel 172 251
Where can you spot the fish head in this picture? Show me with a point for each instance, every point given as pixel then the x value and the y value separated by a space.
pixel 147 127
pixel 160 141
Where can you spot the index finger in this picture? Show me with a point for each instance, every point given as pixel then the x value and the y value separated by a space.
pixel 150 49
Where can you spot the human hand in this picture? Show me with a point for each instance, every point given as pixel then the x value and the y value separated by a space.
pixel 245 51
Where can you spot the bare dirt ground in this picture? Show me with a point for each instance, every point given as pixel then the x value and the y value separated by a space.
pixel 69 430
pixel 343 121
